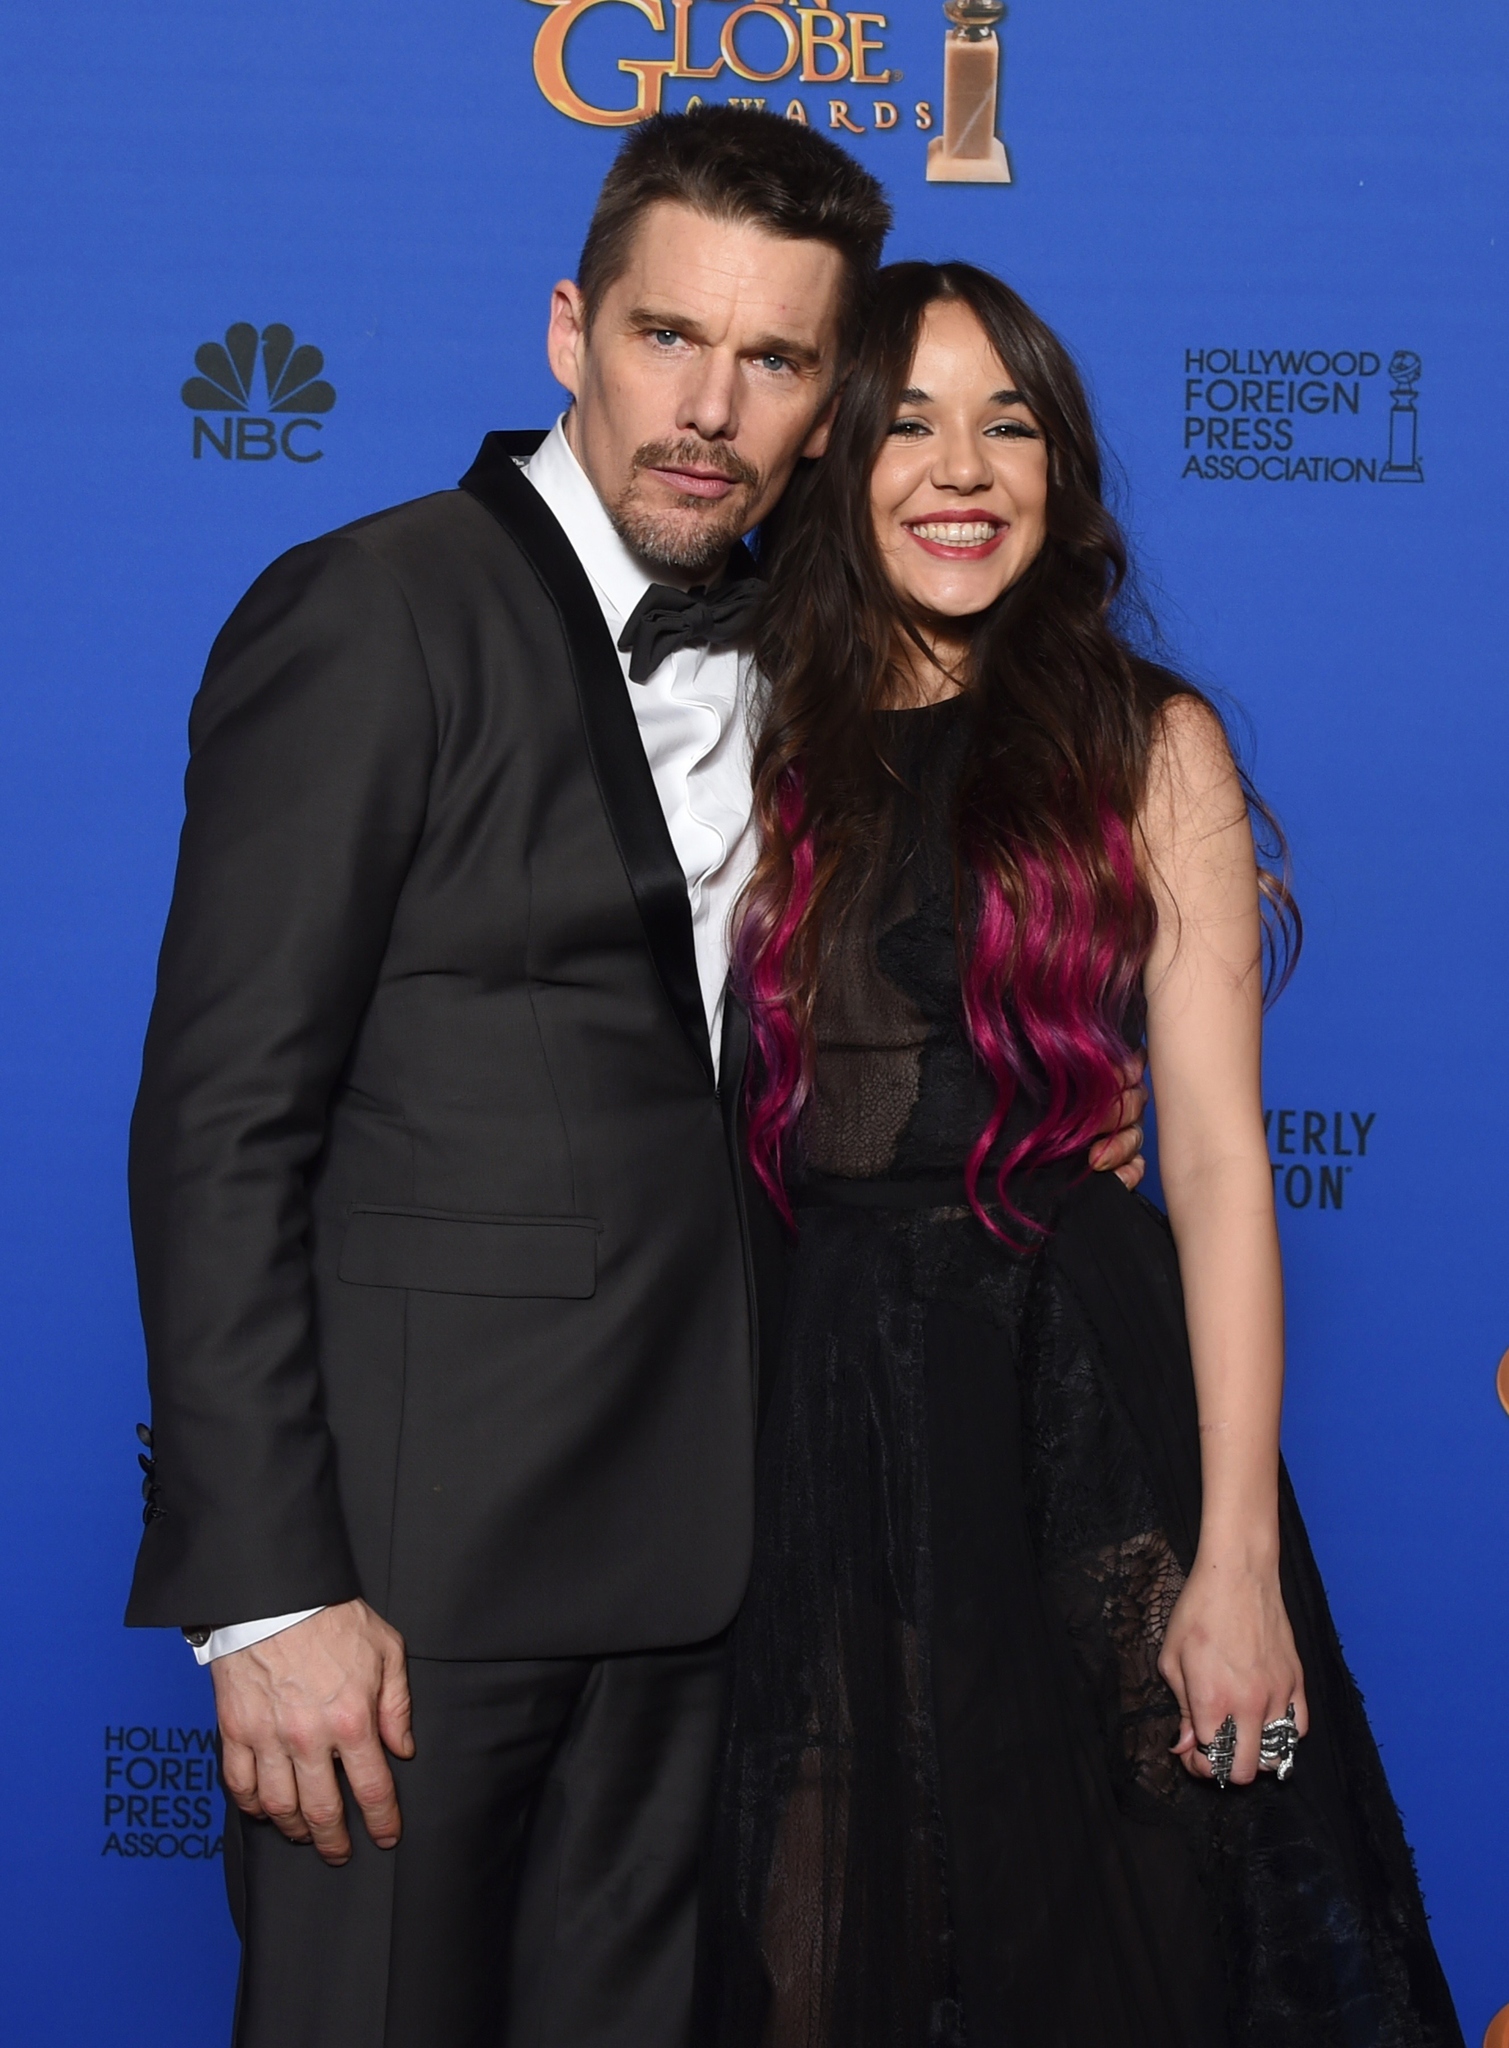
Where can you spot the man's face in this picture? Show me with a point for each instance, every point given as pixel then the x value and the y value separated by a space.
pixel 707 373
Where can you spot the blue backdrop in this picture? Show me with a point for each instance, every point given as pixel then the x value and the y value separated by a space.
pixel 1270 232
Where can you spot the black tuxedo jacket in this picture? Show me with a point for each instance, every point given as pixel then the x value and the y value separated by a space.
pixel 436 1209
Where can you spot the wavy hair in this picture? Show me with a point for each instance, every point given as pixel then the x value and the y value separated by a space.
pixel 1055 920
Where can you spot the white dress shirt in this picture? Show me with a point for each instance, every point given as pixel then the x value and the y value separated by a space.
pixel 693 717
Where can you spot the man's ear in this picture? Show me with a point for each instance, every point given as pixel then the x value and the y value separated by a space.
pixel 816 442
pixel 566 337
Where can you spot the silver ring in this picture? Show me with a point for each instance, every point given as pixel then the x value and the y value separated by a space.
pixel 1280 1740
pixel 1221 1750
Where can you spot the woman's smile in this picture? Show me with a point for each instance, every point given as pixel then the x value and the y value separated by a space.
pixel 958 536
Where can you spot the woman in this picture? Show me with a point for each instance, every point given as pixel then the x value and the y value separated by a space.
pixel 1040 1733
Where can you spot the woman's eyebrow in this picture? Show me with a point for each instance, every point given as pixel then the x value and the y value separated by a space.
pixel 915 395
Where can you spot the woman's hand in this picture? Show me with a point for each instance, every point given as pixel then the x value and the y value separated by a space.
pixel 1230 1650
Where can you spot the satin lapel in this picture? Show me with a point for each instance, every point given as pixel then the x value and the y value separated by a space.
pixel 617 752
pixel 733 1057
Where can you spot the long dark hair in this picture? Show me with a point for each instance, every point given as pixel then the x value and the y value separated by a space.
pixel 1055 920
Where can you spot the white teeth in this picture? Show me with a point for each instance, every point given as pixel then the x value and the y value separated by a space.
pixel 960 533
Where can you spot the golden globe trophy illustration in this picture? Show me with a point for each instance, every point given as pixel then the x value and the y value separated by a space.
pixel 1403 465
pixel 969 152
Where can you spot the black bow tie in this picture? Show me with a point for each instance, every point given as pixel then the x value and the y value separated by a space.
pixel 665 620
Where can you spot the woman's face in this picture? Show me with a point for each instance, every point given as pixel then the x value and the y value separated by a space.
pixel 959 494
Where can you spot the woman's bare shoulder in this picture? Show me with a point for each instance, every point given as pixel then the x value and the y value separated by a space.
pixel 1189 755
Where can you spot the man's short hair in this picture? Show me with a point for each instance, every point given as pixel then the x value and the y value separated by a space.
pixel 739 164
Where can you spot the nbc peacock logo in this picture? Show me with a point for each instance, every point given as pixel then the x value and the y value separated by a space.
pixel 248 370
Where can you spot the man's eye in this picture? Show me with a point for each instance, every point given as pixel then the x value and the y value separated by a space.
pixel 774 362
pixel 664 337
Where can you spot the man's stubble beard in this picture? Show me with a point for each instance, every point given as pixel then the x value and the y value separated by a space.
pixel 693 535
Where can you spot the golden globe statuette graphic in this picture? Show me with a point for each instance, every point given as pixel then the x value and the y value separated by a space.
pixel 1502 1383
pixel 969 152
pixel 1403 465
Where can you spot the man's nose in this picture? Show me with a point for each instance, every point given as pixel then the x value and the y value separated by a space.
pixel 709 400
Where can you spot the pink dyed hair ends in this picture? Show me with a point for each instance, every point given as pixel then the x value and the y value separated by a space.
pixel 1048 977
pixel 780 1077
pixel 1047 984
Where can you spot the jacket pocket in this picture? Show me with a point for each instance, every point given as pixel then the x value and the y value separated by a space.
pixel 438 1252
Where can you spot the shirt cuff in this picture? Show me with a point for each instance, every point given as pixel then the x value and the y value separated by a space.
pixel 242 1634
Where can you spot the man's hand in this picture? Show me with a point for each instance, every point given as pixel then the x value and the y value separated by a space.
pixel 332 1686
pixel 1121 1152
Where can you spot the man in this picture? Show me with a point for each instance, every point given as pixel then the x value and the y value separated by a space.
pixel 443 1266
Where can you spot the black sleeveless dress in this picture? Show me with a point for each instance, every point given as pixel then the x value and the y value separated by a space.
pixel 947 1816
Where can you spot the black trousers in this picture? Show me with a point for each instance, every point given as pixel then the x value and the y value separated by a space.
pixel 544 1894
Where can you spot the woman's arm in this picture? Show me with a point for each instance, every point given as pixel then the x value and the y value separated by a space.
pixel 1229 1647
